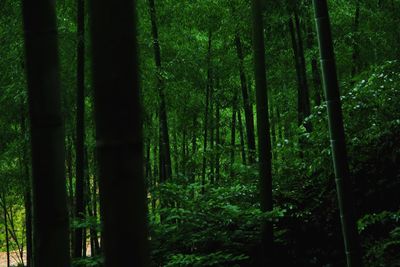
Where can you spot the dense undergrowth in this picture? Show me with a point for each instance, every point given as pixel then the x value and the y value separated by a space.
pixel 221 227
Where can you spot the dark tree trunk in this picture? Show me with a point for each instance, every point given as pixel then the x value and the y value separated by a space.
pixel 337 135
pixel 95 234
pixel 316 76
pixel 27 193
pixel 4 206
pixel 28 225
pixel 185 152
pixel 300 115
pixel 84 238
pixel 208 92
pixel 155 156
pixel 305 92
pixel 241 133
pixel 356 48
pixel 194 148
pixel 303 104
pixel 148 173
pixel 119 133
pixel 272 122
pixel 50 215
pixel 263 130
pixel 176 153
pixel 233 131
pixel 161 153
pixel 98 238
pixel 212 128
pixel 80 130
pixel 70 174
pixel 87 204
pixel 217 143
pixel 92 230
pixel 165 155
pixel 248 110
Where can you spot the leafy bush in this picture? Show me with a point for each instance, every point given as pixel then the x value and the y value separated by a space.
pixel 381 236
pixel 95 261
pixel 219 228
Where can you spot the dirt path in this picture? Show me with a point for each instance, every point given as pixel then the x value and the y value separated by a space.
pixel 13 259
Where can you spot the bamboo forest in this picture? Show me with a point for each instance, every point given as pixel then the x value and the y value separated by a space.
pixel 189 133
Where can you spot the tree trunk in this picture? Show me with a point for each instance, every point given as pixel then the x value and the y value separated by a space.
pixel 165 155
pixel 337 135
pixel 263 129
pixel 212 143
pixel 185 152
pixel 272 123
pixel 233 131
pixel 80 130
pixel 92 230
pixel 303 68
pixel 119 133
pixel 27 193
pixel 87 204
pixel 300 115
pixel 155 156
pixel 208 92
pixel 84 238
pixel 148 173
pixel 94 233
pixel 356 49
pixel 28 224
pixel 4 206
pixel 194 148
pixel 248 110
pixel 217 142
pixel 303 103
pixel 70 189
pixel 50 215
pixel 69 173
pixel 316 76
pixel 176 152
pixel 241 133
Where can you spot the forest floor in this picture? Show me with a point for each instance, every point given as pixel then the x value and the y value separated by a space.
pixel 13 258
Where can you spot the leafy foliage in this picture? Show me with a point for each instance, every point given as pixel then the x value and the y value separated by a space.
pixel 381 250
pixel 219 228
